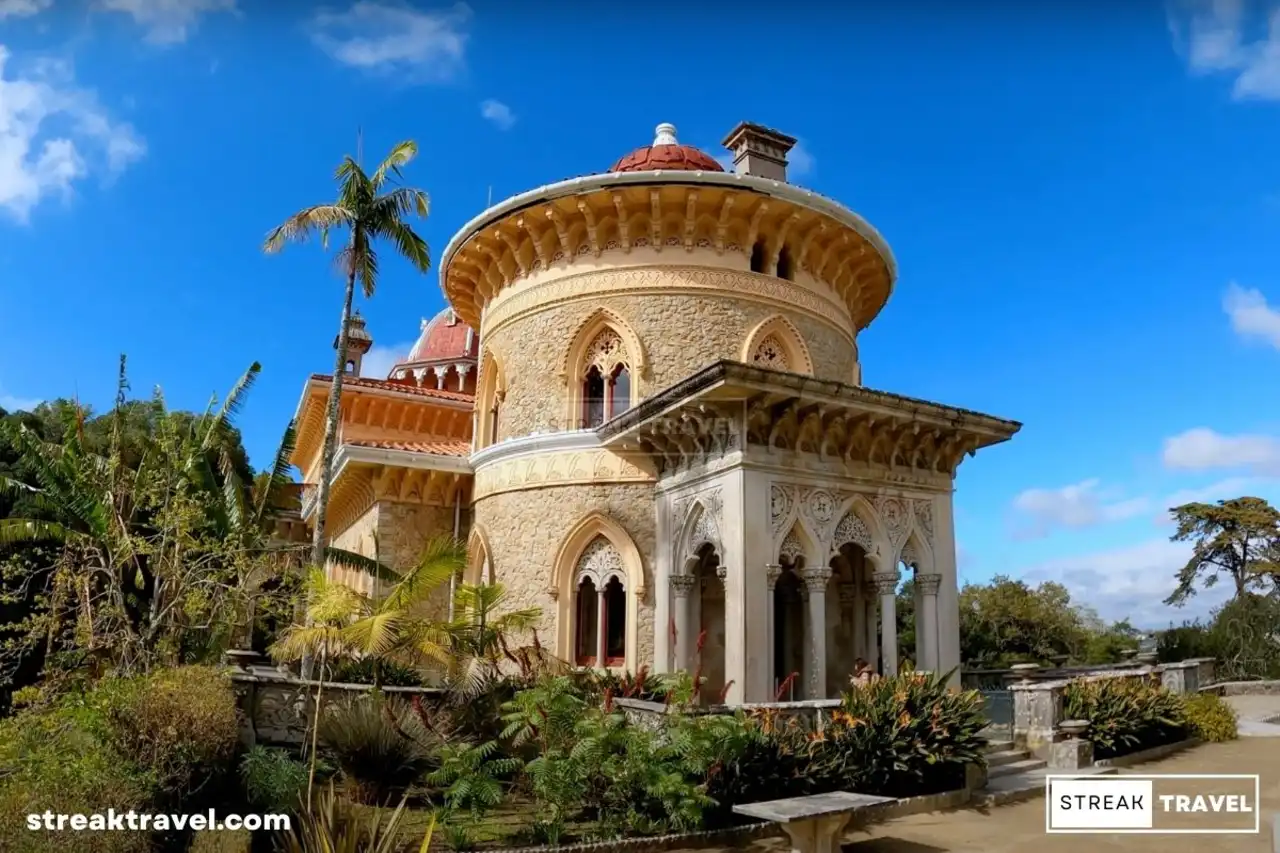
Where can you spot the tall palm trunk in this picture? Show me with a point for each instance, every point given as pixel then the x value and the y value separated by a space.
pixel 331 436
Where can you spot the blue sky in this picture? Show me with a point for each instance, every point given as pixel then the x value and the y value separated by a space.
pixel 1080 200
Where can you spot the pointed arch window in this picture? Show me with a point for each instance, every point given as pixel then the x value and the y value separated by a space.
pixel 606 379
pixel 600 608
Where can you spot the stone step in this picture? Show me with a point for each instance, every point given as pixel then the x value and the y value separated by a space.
pixel 1018 787
pixel 997 746
pixel 1006 756
pixel 1013 768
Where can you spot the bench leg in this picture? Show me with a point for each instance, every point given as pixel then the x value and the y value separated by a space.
pixel 820 835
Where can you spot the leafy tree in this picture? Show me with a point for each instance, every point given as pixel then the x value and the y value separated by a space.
pixel 1008 620
pixel 370 207
pixel 1237 538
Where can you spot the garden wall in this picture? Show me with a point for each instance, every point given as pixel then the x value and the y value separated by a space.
pixel 276 709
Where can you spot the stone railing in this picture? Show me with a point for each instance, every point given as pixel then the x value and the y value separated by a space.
pixel 277 709
pixel 810 714
pixel 1038 718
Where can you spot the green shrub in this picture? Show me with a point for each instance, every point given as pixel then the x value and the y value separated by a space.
pixel 273 779
pixel 380 751
pixel 898 736
pixel 1210 718
pixel 56 762
pixel 1126 714
pixel 374 671
pixel 179 725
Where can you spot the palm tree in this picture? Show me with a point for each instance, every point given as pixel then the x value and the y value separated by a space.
pixel 370 207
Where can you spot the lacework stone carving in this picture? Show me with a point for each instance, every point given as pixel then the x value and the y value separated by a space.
pixel 852 530
pixel 909 556
pixel 772 572
pixel 771 353
pixel 600 562
pixel 606 351
pixel 791 549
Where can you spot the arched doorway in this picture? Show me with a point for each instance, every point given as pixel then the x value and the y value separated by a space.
pixel 709 600
pixel 789 633
pixel 852 616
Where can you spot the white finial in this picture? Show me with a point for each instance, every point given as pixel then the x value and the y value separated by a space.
pixel 665 134
pixel 423 325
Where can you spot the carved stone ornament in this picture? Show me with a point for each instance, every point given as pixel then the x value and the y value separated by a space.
pixel 771 353
pixel 852 530
pixel 924 516
pixel 893 514
pixel 781 499
pixel 772 572
pixel 816 578
pixel 791 549
pixel 682 585
pixel 600 562
pixel 909 556
pixel 606 351
pixel 820 506
pixel 928 584
pixel 886 583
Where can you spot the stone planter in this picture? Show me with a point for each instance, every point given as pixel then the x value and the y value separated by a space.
pixel 1075 752
pixel 1024 671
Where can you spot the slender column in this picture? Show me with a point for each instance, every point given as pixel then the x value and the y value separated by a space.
pixel 772 571
pixel 601 626
pixel 815 581
pixel 927 624
pixel 887 586
pixel 848 593
pixel 681 588
pixel 871 642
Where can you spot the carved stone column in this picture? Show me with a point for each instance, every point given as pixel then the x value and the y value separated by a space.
pixel 815 581
pixel 871 641
pixel 772 571
pixel 927 624
pixel 682 587
pixel 602 621
pixel 887 587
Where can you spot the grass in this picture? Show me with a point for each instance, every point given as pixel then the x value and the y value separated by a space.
pixel 505 827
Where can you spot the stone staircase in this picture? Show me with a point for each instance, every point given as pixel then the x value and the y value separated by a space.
pixel 1014 775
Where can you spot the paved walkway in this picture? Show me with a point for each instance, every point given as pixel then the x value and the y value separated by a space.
pixel 1255 712
pixel 1019 828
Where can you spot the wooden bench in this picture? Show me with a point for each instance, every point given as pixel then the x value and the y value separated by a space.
pixel 813 823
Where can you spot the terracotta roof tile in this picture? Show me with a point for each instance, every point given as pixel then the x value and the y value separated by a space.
pixel 402 386
pixel 437 447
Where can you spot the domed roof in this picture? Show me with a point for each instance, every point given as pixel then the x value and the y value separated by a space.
pixel 668 154
pixel 444 336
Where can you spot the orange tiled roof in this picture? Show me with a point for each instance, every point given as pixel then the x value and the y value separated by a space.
pixel 403 387
pixel 438 447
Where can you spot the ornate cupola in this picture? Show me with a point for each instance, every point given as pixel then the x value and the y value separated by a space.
pixel 359 342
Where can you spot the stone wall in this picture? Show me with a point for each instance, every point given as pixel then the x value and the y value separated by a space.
pixel 277 710
pixel 533 347
pixel 526 529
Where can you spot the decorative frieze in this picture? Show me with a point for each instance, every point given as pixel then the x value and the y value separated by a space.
pixel 556 469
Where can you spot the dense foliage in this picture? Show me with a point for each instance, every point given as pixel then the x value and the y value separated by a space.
pixel 1126 714
pixel 1211 719
pixel 160 743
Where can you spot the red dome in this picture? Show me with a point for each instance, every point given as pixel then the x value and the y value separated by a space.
pixel 668 154
pixel 444 337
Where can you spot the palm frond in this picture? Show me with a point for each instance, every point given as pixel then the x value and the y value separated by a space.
pixel 399 156
pixel 360 563
pixel 277 474
pixel 23 531
pixel 318 220
pixel 408 243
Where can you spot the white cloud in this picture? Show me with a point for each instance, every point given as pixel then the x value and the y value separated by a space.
pixel 1075 506
pixel 385 36
pixel 1203 449
pixel 10 403
pixel 378 361
pixel 800 162
pixel 1251 316
pixel 1211 35
pixel 498 113
pixel 1131 583
pixel 1232 487
pixel 53 134
pixel 22 8
pixel 167 21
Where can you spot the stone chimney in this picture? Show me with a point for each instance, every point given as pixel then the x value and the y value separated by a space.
pixel 759 151
pixel 358 343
